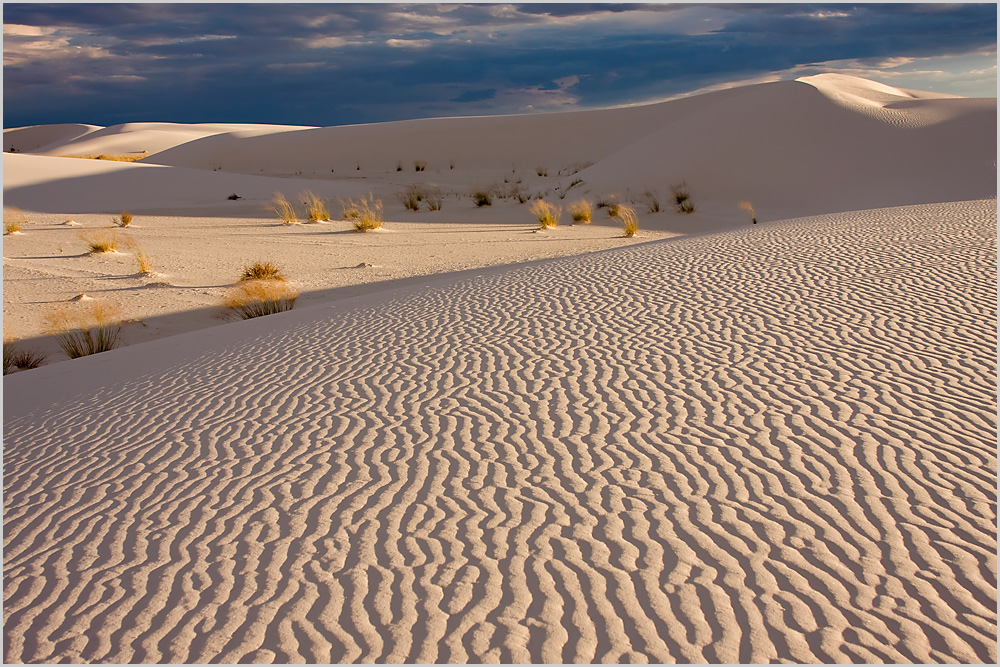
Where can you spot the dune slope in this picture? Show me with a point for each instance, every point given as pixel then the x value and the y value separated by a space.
pixel 777 443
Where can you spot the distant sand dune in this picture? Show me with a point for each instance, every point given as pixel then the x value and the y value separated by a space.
pixel 777 443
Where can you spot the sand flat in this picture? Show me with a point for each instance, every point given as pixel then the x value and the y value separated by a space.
pixel 771 443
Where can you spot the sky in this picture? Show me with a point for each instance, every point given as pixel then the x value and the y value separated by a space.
pixel 337 63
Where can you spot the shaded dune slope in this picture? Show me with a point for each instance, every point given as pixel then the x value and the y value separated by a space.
pixel 774 443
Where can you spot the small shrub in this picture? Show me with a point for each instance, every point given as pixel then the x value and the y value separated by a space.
pixel 14 220
pixel 284 209
pixel 411 197
pixel 234 197
pixel 369 214
pixel 256 298
pixel 482 197
pixel 548 214
pixel 399 166
pixel 101 241
pixel 316 210
pixel 581 211
pixel 630 223
pixel 451 164
pixel 122 221
pixel 84 331
pixel 419 165
pixel 748 207
pixel 262 271
pixel 542 171
pixel 682 198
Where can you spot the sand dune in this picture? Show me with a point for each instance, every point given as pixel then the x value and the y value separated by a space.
pixel 773 443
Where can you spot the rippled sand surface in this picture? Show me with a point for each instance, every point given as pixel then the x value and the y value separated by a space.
pixel 776 443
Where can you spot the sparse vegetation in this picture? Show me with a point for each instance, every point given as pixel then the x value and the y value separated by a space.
pixel 350 210
pixel 652 200
pixel 101 241
pixel 581 211
pixel 82 330
pixel 316 210
pixel 434 198
pixel 256 298
pixel 419 165
pixel 262 271
pixel 14 220
pixel 482 197
pixel 234 197
pixel 411 197
pixel 748 207
pixel 143 260
pixel 124 220
pixel 116 157
pixel 284 209
pixel 17 359
pixel 547 214
pixel 542 171
pixel 628 219
pixel 682 198
pixel 369 214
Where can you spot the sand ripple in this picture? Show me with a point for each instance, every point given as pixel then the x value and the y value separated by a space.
pixel 769 444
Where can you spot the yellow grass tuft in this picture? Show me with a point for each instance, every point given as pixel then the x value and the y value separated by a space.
pixel 262 271
pixel 548 214
pixel 316 210
pixel 143 260
pixel 256 298
pixel 627 217
pixel 14 220
pixel 101 241
pixel 350 209
pixel 581 211
pixel 748 207
pixel 284 209
pixel 122 221
pixel 369 214
pixel 82 330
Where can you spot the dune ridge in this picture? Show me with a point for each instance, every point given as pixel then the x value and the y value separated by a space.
pixel 773 443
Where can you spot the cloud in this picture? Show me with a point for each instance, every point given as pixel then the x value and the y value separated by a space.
pixel 196 62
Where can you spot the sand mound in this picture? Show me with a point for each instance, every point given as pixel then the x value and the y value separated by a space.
pixel 35 137
pixel 770 444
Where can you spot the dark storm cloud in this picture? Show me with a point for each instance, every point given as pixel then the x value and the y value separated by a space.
pixel 328 64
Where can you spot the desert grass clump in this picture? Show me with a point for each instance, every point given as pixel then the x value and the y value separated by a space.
pixel 316 210
pixel 143 260
pixel 411 197
pixel 349 209
pixel 581 211
pixel 419 165
pixel 15 358
pixel 652 200
pixel 256 298
pixel 748 207
pixel 482 197
pixel 262 271
pixel 628 219
pixel 101 241
pixel 369 214
pixel 85 330
pixel 14 220
pixel 434 198
pixel 124 220
pixel 284 209
pixel 547 214
pixel 682 198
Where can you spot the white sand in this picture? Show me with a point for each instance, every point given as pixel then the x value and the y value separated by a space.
pixel 776 442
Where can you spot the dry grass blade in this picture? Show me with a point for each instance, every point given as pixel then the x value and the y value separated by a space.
pixel 581 211
pixel 316 210
pixel 85 330
pixel 101 241
pixel 284 209
pixel 262 271
pixel 748 207
pixel 630 222
pixel 547 214
pixel 14 220
pixel 256 298
pixel 369 214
